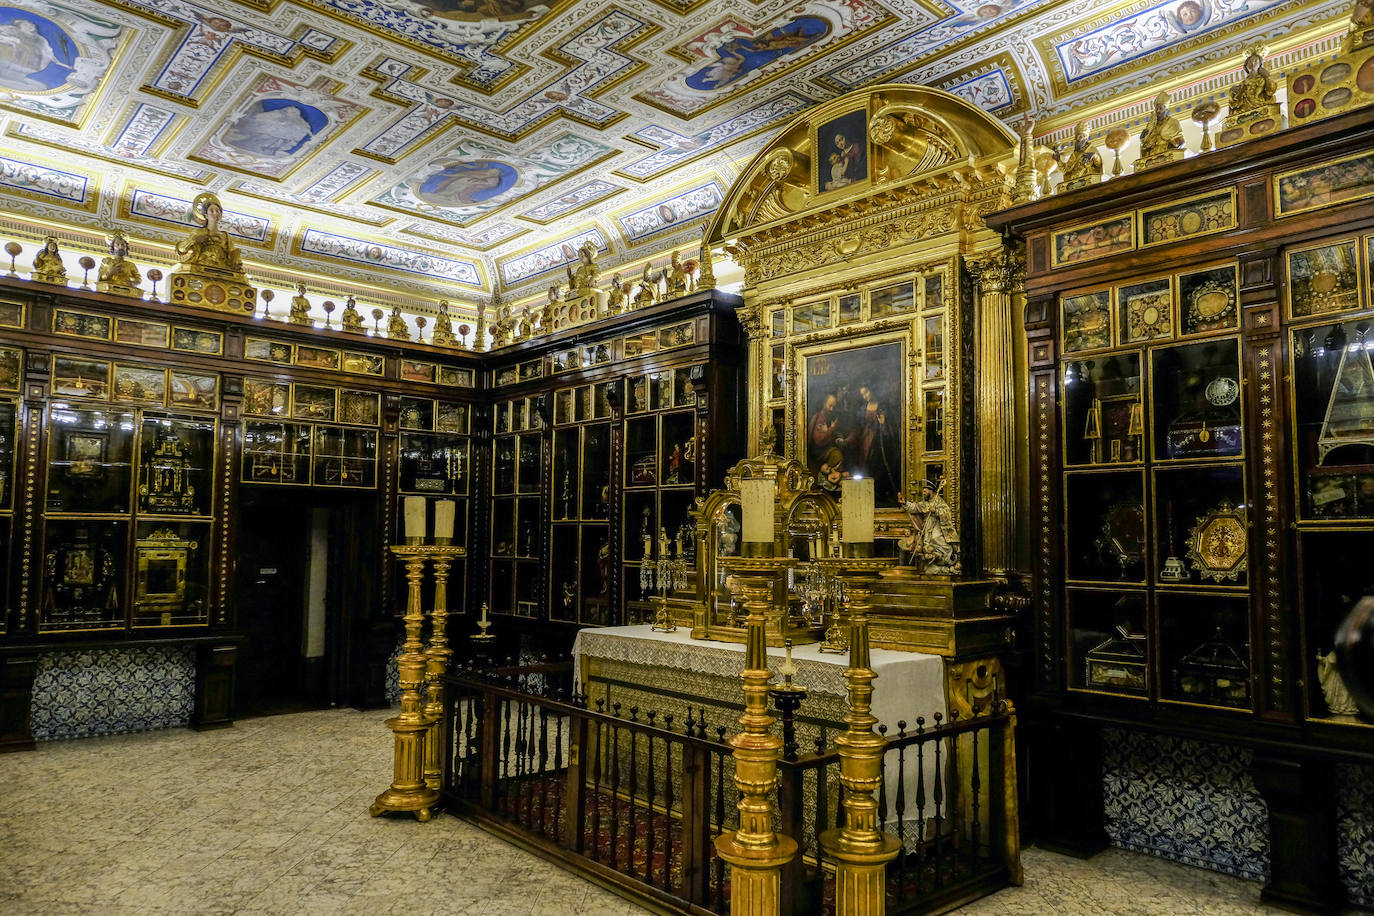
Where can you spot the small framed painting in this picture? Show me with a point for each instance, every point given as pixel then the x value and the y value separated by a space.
pixel 141 333
pixel 189 389
pixel 841 152
pixel 137 385
pixel 192 340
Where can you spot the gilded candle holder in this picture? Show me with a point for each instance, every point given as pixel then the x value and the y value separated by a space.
pixel 408 791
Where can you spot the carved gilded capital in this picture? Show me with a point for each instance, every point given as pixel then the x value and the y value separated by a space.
pixel 751 320
pixel 1002 270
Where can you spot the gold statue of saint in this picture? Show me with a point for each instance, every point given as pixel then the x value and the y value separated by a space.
pixel 396 327
pixel 615 299
pixel 300 307
pixel 582 280
pixel 209 248
pixel 677 277
pixel 352 319
pixel 117 273
pixel 443 326
pixel 1162 139
pixel 47 265
pixel 1251 110
pixel 1081 165
pixel 647 292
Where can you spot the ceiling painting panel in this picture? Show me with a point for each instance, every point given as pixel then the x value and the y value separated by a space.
pixel 485 239
pixel 53 58
pixel 377 255
pixel 736 52
pixel 531 265
pixel 577 198
pixel 277 126
pixel 31 179
pixel 675 213
pixel 475 177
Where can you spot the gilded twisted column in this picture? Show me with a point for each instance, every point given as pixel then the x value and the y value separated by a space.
pixel 860 850
pixel 755 852
pixel 408 791
pixel 997 274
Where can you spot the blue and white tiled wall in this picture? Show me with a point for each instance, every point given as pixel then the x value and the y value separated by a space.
pixel 112 691
pixel 1196 803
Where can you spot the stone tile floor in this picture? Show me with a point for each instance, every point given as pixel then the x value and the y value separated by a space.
pixel 270 817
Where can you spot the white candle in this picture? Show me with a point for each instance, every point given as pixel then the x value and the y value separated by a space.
pixel 788 669
pixel 444 511
pixel 415 518
pixel 756 505
pixel 856 508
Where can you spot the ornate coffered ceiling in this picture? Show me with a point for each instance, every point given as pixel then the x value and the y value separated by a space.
pixel 446 146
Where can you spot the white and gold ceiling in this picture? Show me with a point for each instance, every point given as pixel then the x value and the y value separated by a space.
pixel 448 147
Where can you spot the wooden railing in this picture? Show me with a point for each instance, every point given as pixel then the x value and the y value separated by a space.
pixel 634 801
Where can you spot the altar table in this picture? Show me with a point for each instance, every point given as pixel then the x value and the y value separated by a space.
pixel 612 661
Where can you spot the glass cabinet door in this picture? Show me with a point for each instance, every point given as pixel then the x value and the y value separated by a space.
pixel 90 460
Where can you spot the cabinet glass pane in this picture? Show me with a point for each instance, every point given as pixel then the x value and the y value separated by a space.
pixel 1196 400
pixel 345 457
pixel 1333 578
pixel 503 466
pixel 90 460
pixel 171 574
pixel 83 575
pixel 1333 409
pixel 1106 527
pixel 678 449
pixel 275 453
pixel 175 463
pixel 1108 648
pixel 527 479
pixel 596 471
pixel 565 473
pixel 1201 533
pixel 1204 648
pixel 1104 419
pixel 433 464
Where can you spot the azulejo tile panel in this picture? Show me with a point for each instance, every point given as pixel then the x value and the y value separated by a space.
pixel 1355 831
pixel 112 691
pixel 1187 801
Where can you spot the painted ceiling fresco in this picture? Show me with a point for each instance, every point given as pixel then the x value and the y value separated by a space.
pixel 470 143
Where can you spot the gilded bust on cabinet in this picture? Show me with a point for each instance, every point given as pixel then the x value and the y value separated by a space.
pixel 117 273
pixel 209 247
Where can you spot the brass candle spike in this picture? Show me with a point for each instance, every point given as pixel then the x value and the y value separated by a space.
pixel 86 262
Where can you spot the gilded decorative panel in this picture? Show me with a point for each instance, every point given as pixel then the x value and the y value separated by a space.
pixel 1185 219
pixel 1093 240
pixel 1335 182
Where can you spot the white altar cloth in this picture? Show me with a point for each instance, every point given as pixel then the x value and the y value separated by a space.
pixel 909 684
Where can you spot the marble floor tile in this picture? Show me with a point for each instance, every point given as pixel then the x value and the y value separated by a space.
pixel 270 818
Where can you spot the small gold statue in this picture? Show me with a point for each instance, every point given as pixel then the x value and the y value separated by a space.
pixel 300 307
pixel 47 265
pixel 582 281
pixel 1361 32
pixel 396 327
pixel 209 247
pixel 615 299
pixel 1082 164
pixel 443 327
pixel 351 319
pixel 647 292
pixel 1252 110
pixel 117 273
pixel 1162 139
pixel 677 277
pixel 706 276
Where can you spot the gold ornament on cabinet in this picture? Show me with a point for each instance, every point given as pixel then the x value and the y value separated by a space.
pixel 1218 543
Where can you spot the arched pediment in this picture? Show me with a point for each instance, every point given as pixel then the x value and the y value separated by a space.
pixel 861 145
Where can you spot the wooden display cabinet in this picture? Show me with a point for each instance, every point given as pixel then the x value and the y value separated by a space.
pixel 1202 465
pixel 621 423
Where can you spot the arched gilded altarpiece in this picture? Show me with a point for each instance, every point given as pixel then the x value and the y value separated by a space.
pixel 868 267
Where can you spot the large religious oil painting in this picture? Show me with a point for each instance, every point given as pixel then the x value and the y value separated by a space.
pixel 853 410
pixel 842 151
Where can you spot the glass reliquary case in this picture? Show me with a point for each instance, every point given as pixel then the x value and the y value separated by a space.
pixel 1331 341
pixel 1155 488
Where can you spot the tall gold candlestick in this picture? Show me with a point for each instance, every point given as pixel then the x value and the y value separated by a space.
pixel 437 658
pixel 408 791
pixel 861 851
pixel 755 851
